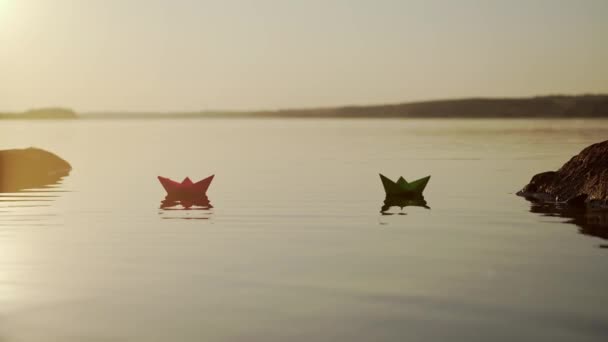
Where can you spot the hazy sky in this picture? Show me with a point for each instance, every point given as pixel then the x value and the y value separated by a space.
pixel 228 54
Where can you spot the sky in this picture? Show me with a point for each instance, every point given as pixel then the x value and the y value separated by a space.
pixel 187 55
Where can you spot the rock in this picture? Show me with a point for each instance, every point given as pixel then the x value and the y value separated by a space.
pixel 582 181
pixel 30 168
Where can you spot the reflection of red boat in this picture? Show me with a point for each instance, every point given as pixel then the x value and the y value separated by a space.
pixel 186 188
pixel 201 203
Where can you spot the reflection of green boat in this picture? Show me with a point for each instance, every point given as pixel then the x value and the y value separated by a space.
pixel 402 188
pixel 401 202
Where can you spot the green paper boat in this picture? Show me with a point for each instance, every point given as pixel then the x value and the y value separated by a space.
pixel 402 188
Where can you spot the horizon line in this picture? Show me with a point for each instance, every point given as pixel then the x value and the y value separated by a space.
pixel 329 107
pixel 304 108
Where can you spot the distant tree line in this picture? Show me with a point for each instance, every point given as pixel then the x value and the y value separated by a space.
pixel 42 113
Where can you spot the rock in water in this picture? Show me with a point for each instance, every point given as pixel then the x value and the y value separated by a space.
pixel 581 181
pixel 30 168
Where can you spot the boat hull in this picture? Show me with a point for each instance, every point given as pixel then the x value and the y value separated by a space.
pixel 185 189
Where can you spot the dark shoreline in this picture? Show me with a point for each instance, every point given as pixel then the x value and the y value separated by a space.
pixel 554 107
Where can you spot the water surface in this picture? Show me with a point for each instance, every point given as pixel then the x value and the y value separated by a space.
pixel 292 246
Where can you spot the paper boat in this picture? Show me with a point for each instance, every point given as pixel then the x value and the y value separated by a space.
pixel 402 188
pixel 185 189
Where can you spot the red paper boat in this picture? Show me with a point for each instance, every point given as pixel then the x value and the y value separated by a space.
pixel 185 189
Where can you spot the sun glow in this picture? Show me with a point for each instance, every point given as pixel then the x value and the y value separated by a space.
pixel 5 8
pixel 10 18
pixel 4 4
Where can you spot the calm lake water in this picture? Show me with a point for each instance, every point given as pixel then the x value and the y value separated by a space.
pixel 294 247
